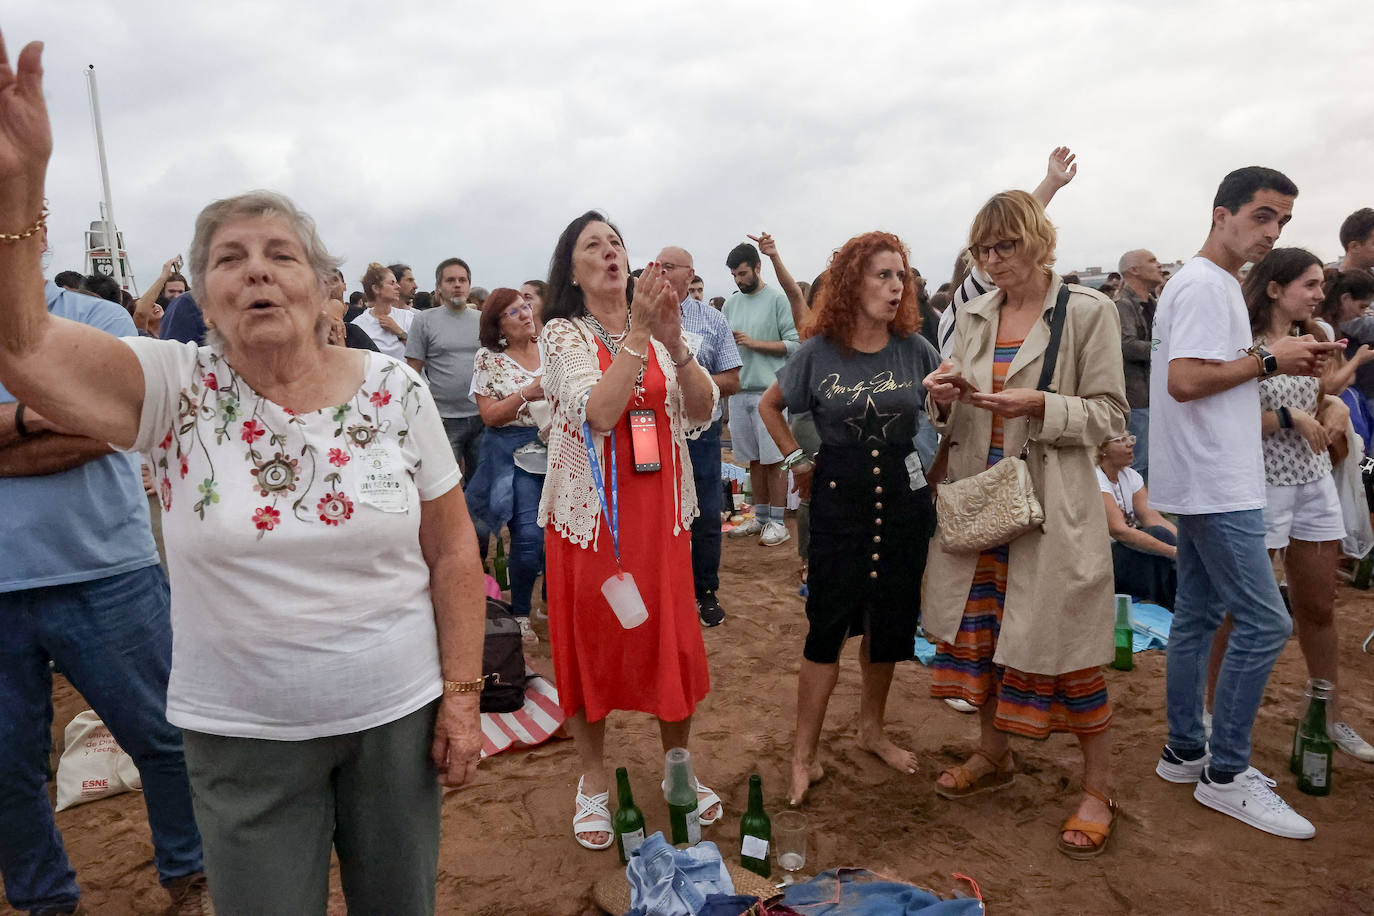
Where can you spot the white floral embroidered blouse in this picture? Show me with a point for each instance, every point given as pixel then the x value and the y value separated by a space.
pixel 300 599
pixel 569 504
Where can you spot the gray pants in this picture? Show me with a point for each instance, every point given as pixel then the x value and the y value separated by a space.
pixel 269 812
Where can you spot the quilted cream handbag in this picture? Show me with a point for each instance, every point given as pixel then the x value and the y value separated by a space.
pixel 988 509
pixel 998 505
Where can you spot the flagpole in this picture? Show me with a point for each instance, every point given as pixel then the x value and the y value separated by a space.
pixel 111 233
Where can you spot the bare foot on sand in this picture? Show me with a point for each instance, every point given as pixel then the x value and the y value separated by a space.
pixel 900 759
pixel 803 777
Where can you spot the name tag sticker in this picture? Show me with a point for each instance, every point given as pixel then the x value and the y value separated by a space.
pixel 382 480
pixel 694 341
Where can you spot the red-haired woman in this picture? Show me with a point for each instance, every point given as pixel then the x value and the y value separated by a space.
pixel 858 372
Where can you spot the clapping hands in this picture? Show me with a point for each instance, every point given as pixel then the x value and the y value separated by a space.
pixel 25 138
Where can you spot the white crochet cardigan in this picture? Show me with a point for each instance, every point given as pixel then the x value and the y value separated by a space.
pixel 569 504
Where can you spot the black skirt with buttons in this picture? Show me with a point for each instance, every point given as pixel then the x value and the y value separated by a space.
pixel 869 533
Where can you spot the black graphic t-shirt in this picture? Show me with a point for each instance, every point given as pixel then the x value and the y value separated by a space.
pixel 865 399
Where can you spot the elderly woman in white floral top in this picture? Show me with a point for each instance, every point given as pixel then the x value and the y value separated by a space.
pixel 326 591
pixel 507 384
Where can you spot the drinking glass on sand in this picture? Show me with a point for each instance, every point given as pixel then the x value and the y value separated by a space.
pixel 789 842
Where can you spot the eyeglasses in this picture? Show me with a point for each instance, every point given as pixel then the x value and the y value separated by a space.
pixel 670 267
pixel 1005 249
pixel 1124 440
pixel 515 312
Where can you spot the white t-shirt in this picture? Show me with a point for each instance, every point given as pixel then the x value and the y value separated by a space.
pixel 386 341
pixel 1205 454
pixel 300 599
pixel 1128 484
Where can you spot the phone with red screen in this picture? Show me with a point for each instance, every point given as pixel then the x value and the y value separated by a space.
pixel 644 440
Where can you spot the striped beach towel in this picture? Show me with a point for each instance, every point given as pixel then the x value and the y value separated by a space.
pixel 536 722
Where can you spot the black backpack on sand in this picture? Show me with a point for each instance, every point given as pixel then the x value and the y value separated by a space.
pixel 503 660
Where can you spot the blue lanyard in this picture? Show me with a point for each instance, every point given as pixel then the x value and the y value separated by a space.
pixel 611 512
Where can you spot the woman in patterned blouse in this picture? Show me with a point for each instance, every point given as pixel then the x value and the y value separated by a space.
pixel 326 590
pixel 1302 513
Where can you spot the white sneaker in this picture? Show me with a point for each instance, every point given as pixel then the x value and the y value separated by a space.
pixel 1349 741
pixel 753 526
pixel 1251 799
pixel 775 533
pixel 1174 768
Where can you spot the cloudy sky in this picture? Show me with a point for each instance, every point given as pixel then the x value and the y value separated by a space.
pixel 417 130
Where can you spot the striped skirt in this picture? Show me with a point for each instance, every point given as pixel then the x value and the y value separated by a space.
pixel 1029 705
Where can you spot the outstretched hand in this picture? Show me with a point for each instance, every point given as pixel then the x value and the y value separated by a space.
pixel 1061 167
pixel 25 137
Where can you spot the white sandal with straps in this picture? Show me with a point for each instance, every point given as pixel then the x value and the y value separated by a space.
pixel 704 803
pixel 593 816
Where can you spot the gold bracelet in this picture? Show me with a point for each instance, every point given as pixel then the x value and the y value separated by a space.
pixel 29 232
pixel 473 686
pixel 642 357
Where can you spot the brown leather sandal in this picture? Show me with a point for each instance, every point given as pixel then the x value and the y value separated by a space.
pixel 1096 831
pixel 965 783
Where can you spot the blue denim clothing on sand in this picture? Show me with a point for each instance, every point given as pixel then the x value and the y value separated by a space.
pixel 501 494
pixel 859 892
pixel 112 638
pixel 705 454
pixel 665 881
pixel 1222 567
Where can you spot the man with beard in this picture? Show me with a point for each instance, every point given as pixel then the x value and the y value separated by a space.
pixel 760 318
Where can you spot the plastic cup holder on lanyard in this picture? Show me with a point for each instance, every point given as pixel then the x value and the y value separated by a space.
pixel 620 590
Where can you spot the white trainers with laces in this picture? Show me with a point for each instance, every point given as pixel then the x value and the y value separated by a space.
pixel 1348 740
pixel 753 526
pixel 775 533
pixel 1251 799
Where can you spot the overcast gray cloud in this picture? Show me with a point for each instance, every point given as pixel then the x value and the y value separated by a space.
pixel 414 131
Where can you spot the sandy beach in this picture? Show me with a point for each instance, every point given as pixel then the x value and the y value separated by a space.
pixel 507 844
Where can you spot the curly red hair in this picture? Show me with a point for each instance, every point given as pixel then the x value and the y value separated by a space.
pixel 838 302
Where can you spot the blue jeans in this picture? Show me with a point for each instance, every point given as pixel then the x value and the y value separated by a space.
pixel 112 638
pixel 1222 567
pixel 465 438
pixel 1139 426
pixel 526 541
pixel 705 454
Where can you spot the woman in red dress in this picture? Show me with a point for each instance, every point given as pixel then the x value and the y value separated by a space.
pixel 606 357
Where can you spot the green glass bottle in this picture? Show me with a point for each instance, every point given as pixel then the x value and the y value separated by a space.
pixel 1314 747
pixel 628 822
pixel 498 566
pixel 1125 636
pixel 755 832
pixel 680 791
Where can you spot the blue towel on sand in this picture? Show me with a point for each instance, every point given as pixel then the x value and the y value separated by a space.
pixel 1149 621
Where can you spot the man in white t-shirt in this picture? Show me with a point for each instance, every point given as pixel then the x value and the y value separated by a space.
pixel 1206 465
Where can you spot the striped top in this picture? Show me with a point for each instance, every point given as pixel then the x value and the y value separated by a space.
pixel 1002 355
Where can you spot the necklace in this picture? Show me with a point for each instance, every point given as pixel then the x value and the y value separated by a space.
pixel 612 342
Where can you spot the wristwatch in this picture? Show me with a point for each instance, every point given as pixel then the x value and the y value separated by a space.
pixel 1268 362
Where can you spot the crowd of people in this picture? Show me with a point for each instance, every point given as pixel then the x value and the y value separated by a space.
pixel 324 474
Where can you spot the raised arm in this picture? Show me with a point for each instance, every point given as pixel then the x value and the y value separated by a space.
pixel 144 306
pixel 790 288
pixel 82 379
pixel 1058 173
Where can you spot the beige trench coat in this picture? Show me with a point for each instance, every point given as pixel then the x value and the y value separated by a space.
pixel 1058 615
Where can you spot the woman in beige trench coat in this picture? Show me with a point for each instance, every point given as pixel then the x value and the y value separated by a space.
pixel 1023 628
